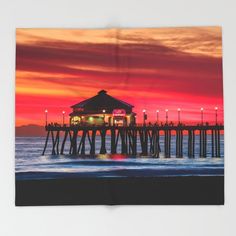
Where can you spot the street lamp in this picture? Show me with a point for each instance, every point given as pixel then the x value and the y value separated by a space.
pixel 202 115
pixel 157 116
pixel 166 116
pixel 216 114
pixel 144 116
pixel 46 117
pixel 63 117
pixel 179 115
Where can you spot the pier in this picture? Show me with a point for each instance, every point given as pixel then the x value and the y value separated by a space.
pixel 125 139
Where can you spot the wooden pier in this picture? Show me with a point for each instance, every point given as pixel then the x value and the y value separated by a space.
pixel 127 138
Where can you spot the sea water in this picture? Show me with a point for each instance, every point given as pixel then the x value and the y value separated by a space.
pixel 30 164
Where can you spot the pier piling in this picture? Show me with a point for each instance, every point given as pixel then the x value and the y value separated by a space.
pixel 126 137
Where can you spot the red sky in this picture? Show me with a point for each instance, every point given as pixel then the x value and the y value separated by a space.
pixel 165 68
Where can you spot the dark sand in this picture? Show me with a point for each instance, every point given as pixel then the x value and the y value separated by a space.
pixel 200 190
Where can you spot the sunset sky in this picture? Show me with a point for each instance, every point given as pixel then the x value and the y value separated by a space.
pixel 165 68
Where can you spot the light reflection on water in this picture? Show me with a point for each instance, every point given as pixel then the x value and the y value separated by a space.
pixel 30 163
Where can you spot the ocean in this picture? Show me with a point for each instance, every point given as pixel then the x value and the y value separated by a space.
pixel 30 164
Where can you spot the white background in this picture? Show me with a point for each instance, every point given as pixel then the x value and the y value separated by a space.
pixel 116 220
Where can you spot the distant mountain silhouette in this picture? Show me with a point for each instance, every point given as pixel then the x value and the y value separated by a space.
pixel 30 130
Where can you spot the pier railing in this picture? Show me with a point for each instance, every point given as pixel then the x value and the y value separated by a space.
pixel 128 137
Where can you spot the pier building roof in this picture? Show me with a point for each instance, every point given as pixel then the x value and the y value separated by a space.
pixel 99 102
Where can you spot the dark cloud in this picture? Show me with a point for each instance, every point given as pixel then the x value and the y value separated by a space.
pixel 167 69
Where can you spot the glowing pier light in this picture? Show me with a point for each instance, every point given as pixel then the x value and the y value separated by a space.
pixel 46 117
pixel 179 110
pixel 202 115
pixel 144 116
pixel 157 116
pixel 216 115
pixel 166 116
pixel 63 117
